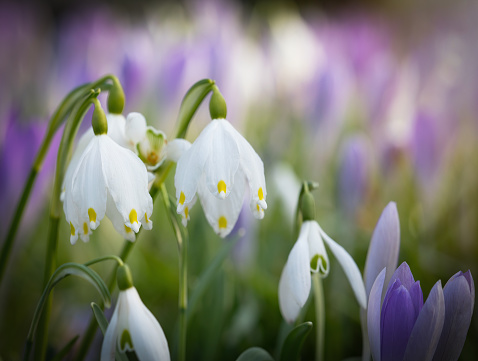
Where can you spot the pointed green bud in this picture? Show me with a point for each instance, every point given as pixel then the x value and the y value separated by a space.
pixel 116 97
pixel 98 121
pixel 307 206
pixel 124 277
pixel 217 105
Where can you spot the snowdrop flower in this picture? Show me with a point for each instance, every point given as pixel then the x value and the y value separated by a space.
pixel 105 178
pixel 217 168
pixel 309 255
pixel 133 327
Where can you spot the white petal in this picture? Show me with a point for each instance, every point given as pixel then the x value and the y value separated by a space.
pixel 108 347
pixel 135 127
pixel 127 182
pixel 317 249
pixel 185 213
pixel 116 126
pixel 223 160
pixel 88 186
pixel 350 268
pixel 148 338
pixel 117 220
pixel 190 168
pixel 298 268
pixel 222 214
pixel 288 304
pixel 253 168
pixel 176 148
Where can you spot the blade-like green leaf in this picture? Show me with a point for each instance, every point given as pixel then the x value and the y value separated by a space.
pixel 255 354
pixel 294 341
pixel 65 350
pixel 190 104
pixel 100 317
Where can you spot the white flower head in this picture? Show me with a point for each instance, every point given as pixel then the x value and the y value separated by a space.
pixel 309 255
pixel 217 167
pixel 134 328
pixel 105 178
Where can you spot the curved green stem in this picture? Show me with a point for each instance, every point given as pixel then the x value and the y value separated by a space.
pixel 105 258
pixel 319 316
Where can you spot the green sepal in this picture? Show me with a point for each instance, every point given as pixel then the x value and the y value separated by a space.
pixel 116 98
pixel 217 105
pixel 307 207
pixel 98 121
pixel 124 277
pixel 255 354
pixel 191 101
pixel 294 342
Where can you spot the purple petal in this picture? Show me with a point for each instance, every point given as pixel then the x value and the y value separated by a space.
pixel 428 327
pixel 416 295
pixel 459 294
pixel 384 246
pixel 398 318
pixel 373 315
pixel 405 276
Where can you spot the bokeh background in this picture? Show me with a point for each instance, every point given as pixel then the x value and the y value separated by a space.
pixel 377 101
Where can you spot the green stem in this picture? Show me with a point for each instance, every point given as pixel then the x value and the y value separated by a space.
pixel 183 273
pixel 319 315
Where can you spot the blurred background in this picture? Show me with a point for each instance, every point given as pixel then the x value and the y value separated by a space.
pixel 377 101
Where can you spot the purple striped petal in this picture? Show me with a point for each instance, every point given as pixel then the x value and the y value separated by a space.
pixel 428 327
pixel 384 246
pixel 459 294
pixel 405 276
pixel 373 315
pixel 416 295
pixel 398 318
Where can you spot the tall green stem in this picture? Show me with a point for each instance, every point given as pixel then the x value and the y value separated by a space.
pixel 319 315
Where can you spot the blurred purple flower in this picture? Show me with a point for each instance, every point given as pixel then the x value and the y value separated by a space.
pixel 405 328
pixel 353 174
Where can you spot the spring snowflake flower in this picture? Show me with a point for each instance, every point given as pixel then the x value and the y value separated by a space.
pixel 104 178
pixel 309 255
pixel 216 168
pixel 133 328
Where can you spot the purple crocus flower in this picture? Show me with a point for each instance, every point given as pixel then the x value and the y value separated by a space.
pixel 405 328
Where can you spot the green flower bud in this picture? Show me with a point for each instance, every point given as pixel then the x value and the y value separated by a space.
pixel 217 105
pixel 116 98
pixel 98 121
pixel 307 206
pixel 124 277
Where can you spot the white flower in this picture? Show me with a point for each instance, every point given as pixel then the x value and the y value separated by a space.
pixel 309 255
pixel 134 328
pixel 217 167
pixel 106 178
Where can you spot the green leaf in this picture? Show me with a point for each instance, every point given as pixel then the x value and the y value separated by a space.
pixel 100 317
pixel 65 350
pixel 255 354
pixel 294 341
pixel 190 104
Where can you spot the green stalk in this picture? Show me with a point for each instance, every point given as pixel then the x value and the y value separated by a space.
pixel 319 316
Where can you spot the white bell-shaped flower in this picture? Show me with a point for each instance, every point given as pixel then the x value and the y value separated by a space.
pixel 134 328
pixel 106 178
pixel 309 255
pixel 217 167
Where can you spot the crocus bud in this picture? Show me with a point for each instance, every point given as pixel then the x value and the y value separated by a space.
pixel 217 105
pixel 124 277
pixel 98 121
pixel 116 98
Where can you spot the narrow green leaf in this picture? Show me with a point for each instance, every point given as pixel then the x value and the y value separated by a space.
pixel 65 350
pixel 191 101
pixel 294 341
pixel 100 317
pixel 255 354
